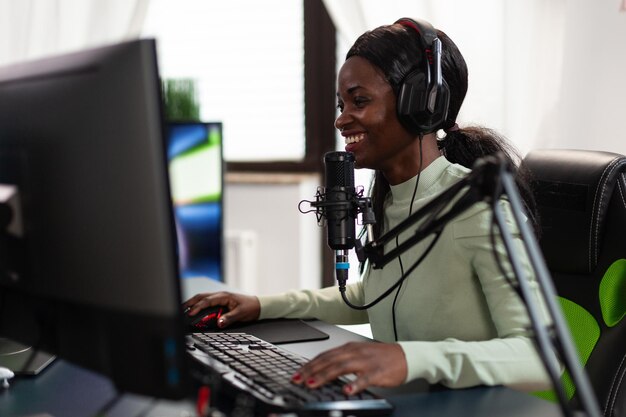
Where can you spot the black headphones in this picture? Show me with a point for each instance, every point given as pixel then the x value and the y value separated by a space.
pixel 424 95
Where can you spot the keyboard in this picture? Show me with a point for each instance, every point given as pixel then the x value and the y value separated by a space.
pixel 261 372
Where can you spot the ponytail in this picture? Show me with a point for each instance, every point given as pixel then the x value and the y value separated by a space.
pixel 465 146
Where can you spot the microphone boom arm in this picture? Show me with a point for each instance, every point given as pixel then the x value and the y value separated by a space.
pixel 378 259
pixel 490 179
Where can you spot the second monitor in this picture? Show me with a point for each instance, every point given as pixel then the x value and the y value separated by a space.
pixel 194 152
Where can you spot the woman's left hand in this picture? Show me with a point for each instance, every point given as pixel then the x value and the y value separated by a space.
pixel 378 364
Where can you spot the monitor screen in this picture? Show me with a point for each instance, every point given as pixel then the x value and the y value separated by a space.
pixel 88 260
pixel 194 152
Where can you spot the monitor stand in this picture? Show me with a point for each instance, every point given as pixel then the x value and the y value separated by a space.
pixel 22 359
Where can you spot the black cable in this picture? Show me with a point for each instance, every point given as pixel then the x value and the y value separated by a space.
pixel 498 259
pixel 342 286
pixel 493 201
pixel 496 255
pixel 395 299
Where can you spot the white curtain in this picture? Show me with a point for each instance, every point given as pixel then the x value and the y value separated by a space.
pixel 31 29
pixel 546 74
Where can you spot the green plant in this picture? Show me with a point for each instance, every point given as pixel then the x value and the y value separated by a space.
pixel 181 99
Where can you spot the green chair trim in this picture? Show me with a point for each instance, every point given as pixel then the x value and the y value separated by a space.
pixel 613 293
pixel 585 333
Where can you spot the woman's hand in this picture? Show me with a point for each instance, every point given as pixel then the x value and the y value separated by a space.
pixel 378 364
pixel 240 307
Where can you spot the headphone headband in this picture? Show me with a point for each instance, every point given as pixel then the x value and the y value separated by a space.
pixel 424 29
pixel 424 95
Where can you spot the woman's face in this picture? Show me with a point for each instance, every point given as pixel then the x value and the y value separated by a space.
pixel 368 120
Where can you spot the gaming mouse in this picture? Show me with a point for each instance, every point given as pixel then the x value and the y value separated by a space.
pixel 206 319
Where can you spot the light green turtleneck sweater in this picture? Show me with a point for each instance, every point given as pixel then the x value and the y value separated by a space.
pixel 458 320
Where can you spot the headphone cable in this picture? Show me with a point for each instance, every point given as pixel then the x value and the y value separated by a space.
pixel 395 298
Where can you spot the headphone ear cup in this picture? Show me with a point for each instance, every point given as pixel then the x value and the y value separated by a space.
pixel 411 102
pixel 414 106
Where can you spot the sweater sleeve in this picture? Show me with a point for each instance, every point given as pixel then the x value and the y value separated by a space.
pixel 510 358
pixel 323 304
pixel 509 361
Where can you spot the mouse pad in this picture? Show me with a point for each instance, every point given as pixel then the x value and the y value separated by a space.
pixel 279 331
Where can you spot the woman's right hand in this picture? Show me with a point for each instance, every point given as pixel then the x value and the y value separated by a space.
pixel 240 307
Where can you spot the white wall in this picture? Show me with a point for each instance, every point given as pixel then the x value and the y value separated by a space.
pixel 289 243
pixel 565 79
pixel 591 104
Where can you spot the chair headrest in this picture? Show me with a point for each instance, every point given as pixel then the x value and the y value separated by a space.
pixel 573 189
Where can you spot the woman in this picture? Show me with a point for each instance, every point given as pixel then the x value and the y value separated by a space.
pixel 455 320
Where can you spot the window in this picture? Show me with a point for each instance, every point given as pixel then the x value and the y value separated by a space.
pixel 316 106
pixel 249 63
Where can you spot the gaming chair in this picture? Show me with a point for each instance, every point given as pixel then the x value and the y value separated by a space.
pixel 581 197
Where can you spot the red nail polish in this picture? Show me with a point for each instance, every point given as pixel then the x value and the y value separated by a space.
pixel 296 377
pixel 310 381
pixel 349 389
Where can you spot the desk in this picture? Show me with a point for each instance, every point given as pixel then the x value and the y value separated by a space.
pixel 66 390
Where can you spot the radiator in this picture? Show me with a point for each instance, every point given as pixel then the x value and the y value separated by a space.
pixel 241 258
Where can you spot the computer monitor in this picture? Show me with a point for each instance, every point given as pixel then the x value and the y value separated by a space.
pixel 194 152
pixel 88 265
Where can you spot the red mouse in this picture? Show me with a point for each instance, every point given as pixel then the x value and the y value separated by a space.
pixel 206 319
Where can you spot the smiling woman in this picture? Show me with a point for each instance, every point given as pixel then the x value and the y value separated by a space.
pixel 444 311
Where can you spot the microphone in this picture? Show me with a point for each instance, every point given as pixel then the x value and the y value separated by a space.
pixel 340 210
pixel 339 195
pixel 337 205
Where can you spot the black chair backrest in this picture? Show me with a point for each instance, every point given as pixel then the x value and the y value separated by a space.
pixel 581 197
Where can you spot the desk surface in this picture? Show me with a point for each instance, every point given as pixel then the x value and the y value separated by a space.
pixel 67 390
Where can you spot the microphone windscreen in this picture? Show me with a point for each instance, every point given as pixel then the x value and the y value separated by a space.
pixel 339 169
pixel 340 211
